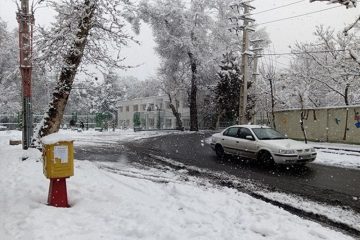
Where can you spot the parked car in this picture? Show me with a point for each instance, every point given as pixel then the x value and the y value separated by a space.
pixel 261 143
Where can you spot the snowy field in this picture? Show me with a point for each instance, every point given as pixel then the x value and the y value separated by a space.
pixel 120 201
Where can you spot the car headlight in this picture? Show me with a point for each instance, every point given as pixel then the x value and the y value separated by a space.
pixel 312 150
pixel 213 140
pixel 282 151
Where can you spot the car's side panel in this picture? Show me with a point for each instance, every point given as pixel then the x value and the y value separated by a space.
pixel 246 148
pixel 228 145
pixel 228 138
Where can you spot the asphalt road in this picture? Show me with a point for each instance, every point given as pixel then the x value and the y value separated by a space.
pixel 331 185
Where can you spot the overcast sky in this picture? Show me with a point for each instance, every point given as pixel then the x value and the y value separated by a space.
pixel 282 34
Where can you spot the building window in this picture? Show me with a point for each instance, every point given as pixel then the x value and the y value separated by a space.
pixel 151 107
pixel 127 108
pixel 168 123
pixel 186 122
pixel 136 108
pixel 143 107
pixel 151 122
pixel 121 109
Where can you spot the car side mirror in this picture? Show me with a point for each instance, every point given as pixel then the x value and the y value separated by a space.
pixel 249 137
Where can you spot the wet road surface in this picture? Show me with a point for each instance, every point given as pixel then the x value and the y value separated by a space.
pixel 331 185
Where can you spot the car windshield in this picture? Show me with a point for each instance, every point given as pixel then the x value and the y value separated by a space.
pixel 268 134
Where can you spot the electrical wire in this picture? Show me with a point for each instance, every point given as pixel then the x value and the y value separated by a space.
pixel 296 16
pixel 282 6
pixel 299 53
pixel 283 64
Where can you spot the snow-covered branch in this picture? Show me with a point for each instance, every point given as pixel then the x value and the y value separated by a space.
pixel 347 3
pixel 354 56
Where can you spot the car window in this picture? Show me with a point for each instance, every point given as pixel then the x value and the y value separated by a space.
pixel 267 134
pixel 231 132
pixel 243 132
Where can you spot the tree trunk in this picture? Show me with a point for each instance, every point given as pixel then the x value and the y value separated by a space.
pixel 346 96
pixel 193 93
pixel 179 125
pixel 220 115
pixel 302 126
pixel 53 118
pixel 302 118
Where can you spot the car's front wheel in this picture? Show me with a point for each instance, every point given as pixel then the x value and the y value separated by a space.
pixel 220 153
pixel 265 157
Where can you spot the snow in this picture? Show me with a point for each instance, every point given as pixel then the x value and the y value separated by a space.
pixel 337 214
pixel 355 56
pixel 336 154
pixel 55 138
pixel 93 137
pixel 121 201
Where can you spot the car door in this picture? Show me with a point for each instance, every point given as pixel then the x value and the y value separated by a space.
pixel 247 147
pixel 229 139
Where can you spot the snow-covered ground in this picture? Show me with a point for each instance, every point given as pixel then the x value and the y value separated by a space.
pixel 121 201
pixel 335 154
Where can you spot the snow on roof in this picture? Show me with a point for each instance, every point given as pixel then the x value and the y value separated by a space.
pixel 55 138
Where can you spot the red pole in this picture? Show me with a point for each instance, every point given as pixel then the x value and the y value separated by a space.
pixel 26 22
pixel 58 193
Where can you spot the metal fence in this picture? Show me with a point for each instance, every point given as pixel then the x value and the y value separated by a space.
pixel 11 121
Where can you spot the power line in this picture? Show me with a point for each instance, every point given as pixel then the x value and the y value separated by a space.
pixel 283 64
pixel 296 16
pixel 282 6
pixel 300 53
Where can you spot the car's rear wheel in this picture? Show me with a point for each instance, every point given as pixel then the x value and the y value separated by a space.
pixel 219 151
pixel 265 157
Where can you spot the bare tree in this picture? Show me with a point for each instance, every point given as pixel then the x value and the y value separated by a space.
pixel 268 73
pixel 330 64
pixel 173 73
pixel 302 117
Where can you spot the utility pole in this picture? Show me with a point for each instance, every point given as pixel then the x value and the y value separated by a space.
pixel 244 63
pixel 256 49
pixel 244 17
pixel 26 22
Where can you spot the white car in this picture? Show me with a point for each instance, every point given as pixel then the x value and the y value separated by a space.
pixel 261 143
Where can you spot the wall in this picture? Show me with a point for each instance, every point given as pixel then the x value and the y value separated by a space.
pixel 321 124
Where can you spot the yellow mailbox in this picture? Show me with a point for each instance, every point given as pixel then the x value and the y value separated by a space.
pixel 58 159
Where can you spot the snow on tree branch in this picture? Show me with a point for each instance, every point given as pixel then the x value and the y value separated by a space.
pixel 85 32
pixel 351 26
pixel 108 33
pixel 354 56
pixel 347 3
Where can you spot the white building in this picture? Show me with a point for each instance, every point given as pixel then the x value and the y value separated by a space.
pixel 151 113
